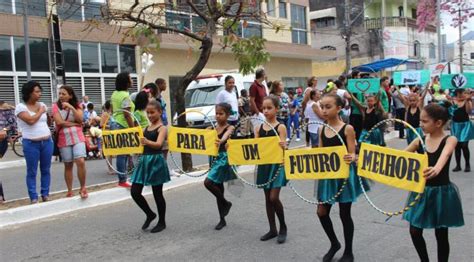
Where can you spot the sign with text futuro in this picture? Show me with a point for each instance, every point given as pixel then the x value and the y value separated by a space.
pixel 122 141
pixel 257 151
pixel 193 141
pixel 316 163
pixel 393 167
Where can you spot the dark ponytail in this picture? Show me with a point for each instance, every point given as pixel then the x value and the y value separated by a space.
pixel 438 111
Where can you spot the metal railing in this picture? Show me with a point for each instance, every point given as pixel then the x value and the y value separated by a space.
pixel 376 23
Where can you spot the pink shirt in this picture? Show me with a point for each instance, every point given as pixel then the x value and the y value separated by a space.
pixel 68 136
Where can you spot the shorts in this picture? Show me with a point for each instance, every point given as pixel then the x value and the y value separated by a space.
pixel 73 152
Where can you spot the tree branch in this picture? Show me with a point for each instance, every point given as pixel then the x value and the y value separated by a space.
pixel 195 9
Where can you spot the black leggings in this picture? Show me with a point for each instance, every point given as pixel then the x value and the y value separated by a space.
pixel 420 245
pixel 136 192
pixel 464 147
pixel 218 191
pixel 347 224
pixel 274 206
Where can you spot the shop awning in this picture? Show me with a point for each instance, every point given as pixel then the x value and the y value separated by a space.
pixel 381 64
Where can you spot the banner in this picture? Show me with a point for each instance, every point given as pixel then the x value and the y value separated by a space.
pixel 393 167
pixel 122 141
pixel 316 163
pixel 453 81
pixel 364 85
pixel 255 151
pixel 193 141
pixel 412 77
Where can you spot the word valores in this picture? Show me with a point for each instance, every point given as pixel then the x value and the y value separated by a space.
pixel 190 141
pixel 391 165
pixel 129 139
pixel 312 163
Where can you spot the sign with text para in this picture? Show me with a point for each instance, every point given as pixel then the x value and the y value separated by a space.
pixel 411 77
pixel 392 167
pixel 122 141
pixel 316 163
pixel 266 150
pixel 193 141
pixel 453 81
pixel 364 85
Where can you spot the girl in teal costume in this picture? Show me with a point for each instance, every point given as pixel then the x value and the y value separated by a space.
pixel 414 104
pixel 266 172
pixel 331 105
pixel 462 127
pixel 440 206
pixel 220 170
pixel 372 114
pixel 152 169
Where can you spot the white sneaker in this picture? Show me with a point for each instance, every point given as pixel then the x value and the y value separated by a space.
pixel 298 140
pixel 287 140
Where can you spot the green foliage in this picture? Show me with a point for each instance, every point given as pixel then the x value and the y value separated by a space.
pixel 145 38
pixel 250 53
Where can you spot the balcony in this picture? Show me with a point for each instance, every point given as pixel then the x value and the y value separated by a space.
pixel 376 23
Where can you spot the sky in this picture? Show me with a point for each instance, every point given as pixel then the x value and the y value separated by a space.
pixel 452 34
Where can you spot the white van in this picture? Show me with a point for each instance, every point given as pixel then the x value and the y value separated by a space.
pixel 201 96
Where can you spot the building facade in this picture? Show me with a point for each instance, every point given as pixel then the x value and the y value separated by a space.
pixel 92 56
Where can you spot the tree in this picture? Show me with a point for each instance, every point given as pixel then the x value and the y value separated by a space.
pixel 426 12
pixel 145 19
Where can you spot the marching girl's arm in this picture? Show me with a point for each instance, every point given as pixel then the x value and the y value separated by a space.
pixel 320 131
pixel 448 150
pixel 282 133
pixel 227 134
pixel 162 131
pixel 256 131
pixel 350 135
pixel 358 103
pixel 413 146
pixel 421 101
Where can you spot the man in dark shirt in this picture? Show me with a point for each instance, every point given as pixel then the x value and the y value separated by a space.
pixel 257 92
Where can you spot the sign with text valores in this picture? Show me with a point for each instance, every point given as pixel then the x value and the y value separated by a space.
pixel 393 167
pixel 193 141
pixel 122 141
pixel 411 77
pixel 316 163
pixel 255 151
pixel 364 85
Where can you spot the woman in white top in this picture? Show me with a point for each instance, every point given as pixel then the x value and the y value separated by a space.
pixel 37 142
pixel 313 113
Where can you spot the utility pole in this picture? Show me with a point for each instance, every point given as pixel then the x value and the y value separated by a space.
pixel 27 39
pixel 382 29
pixel 438 28
pixel 460 41
pixel 347 34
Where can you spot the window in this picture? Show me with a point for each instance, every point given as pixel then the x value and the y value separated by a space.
pixel 432 51
pixel 80 10
pixel 472 56
pixel 328 47
pixel 6 6
pixel 89 57
pixel 71 56
pixel 127 58
pixel 355 48
pixel 282 8
pixel 252 29
pixel 413 13
pixel 271 7
pixel 35 7
pixel 185 21
pixel 292 83
pixel 5 54
pixel 416 49
pixel 325 22
pixel 109 58
pixel 400 11
pixel 39 57
pixel 93 9
pixel 298 24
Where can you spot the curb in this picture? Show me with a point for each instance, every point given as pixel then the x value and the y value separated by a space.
pixel 25 214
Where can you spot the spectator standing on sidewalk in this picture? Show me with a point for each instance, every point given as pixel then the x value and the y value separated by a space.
pixel 228 96
pixel 122 108
pixel 67 114
pixel 37 142
pixel 245 113
pixel 85 102
pixel 257 92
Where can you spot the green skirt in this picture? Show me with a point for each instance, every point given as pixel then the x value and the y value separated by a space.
pixel 375 137
pixel 463 131
pixel 266 173
pixel 152 170
pixel 220 171
pixel 412 136
pixel 438 207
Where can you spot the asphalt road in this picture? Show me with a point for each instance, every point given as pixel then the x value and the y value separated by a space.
pixel 112 233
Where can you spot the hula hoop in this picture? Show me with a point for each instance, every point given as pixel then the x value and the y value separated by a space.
pixel 213 158
pixel 418 196
pixel 106 158
pixel 275 175
pixel 344 183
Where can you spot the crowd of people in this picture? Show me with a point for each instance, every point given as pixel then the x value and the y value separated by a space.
pixel 428 109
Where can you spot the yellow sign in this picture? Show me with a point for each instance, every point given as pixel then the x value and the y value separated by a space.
pixel 122 141
pixel 393 167
pixel 316 163
pixel 193 141
pixel 255 151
